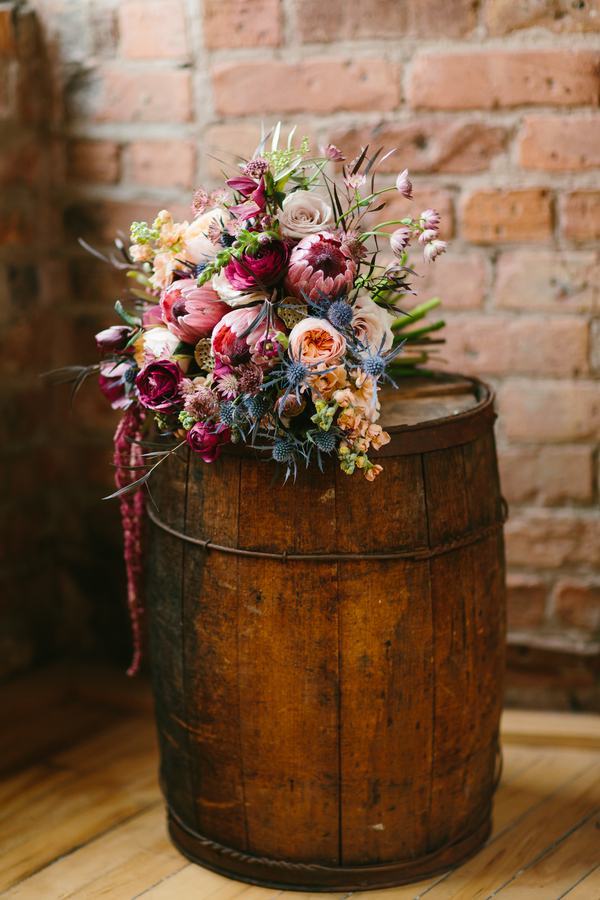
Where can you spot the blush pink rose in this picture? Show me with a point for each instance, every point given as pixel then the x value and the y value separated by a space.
pixel 191 312
pixel 316 341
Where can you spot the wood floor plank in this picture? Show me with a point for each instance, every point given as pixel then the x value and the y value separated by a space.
pixel 44 732
pixel 196 883
pixel 550 728
pixel 524 841
pixel 88 804
pixel 535 783
pixel 515 759
pixel 587 889
pixel 84 868
pixel 560 868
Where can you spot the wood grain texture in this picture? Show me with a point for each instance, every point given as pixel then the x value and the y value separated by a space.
pixel 340 713
pixel 462 493
pixel 289 702
pixel 386 673
pixel 166 556
pixel 70 813
pixel 210 652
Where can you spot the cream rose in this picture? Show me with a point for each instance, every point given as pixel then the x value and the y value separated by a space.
pixel 316 341
pixel 196 246
pixel 232 297
pixel 303 213
pixel 372 324
pixel 161 343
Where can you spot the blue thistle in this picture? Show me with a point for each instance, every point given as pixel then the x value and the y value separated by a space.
pixel 257 407
pixel 284 450
pixel 227 413
pixel 325 440
pixel 374 365
pixel 340 315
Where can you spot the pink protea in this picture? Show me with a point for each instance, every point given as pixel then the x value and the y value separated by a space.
pixel 231 349
pixel 191 312
pixel 320 262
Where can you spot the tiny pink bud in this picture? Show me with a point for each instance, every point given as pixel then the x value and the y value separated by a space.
pixel 433 250
pixel 404 185
pixel 354 181
pixel 430 219
pixel 399 240
pixel 331 152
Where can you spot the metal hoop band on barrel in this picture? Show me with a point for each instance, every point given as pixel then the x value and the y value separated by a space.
pixel 424 553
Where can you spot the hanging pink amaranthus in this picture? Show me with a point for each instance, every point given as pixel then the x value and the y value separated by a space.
pixel 133 513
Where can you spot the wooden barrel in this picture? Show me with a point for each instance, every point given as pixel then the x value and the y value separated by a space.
pixel 328 694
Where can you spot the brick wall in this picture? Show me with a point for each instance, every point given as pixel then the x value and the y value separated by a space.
pixel 493 107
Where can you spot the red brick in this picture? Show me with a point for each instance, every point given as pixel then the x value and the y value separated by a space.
pixel 525 601
pixel 242 23
pixel 577 603
pixel 547 475
pixel 396 207
pixel 97 161
pixel 504 78
pixel 427 145
pixel 560 16
pixel 543 538
pixel 348 19
pixel 519 345
pixel 152 29
pixel 561 143
pixel 20 164
pixel 493 217
pixel 547 281
pixel 315 85
pixel 459 280
pixel 224 146
pixel 16 227
pixel 163 163
pixel 580 215
pixel 595 346
pixel 551 411
pixel 162 95
pixel 8 45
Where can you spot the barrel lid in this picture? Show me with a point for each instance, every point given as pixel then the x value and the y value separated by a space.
pixel 435 413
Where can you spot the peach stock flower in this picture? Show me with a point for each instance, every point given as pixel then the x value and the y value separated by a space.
pixel 316 341
pixel 324 382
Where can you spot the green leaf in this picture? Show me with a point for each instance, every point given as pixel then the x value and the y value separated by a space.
pixel 134 321
pixel 419 312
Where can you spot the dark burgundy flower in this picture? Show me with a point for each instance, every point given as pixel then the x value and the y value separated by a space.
pixel 158 385
pixel 262 268
pixel 207 439
pixel 114 338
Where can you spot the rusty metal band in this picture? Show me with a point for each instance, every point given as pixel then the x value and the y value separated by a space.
pixel 422 553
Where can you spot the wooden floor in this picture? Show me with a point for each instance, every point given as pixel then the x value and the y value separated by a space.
pixel 83 818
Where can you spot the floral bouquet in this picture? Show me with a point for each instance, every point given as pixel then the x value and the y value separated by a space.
pixel 266 320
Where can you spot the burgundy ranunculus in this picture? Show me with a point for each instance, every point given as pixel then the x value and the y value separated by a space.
pixel 114 338
pixel 207 439
pixel 263 269
pixel 112 382
pixel 158 385
pixel 191 312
